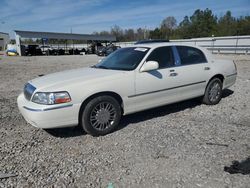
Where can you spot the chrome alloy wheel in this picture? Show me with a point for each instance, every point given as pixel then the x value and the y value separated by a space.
pixel 102 116
pixel 214 92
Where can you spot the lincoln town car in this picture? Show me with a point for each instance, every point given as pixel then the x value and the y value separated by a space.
pixel 129 80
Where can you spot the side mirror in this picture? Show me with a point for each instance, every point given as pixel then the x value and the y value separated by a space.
pixel 149 66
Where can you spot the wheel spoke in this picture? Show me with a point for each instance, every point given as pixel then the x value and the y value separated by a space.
pixel 112 111
pixel 108 106
pixel 107 124
pixel 95 124
pixel 93 117
pixel 112 117
pixel 101 106
pixel 95 110
pixel 102 126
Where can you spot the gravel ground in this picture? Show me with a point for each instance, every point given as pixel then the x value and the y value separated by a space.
pixel 181 145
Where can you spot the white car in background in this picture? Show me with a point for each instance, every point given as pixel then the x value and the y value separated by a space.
pixel 46 49
pixel 129 80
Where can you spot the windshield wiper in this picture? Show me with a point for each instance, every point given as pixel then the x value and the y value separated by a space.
pixel 104 67
pixel 100 67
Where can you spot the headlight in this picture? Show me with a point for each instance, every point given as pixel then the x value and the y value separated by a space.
pixel 51 98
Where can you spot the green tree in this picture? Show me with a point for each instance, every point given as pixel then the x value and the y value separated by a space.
pixel 183 30
pixel 156 34
pixel 203 23
pixel 243 26
pixel 227 25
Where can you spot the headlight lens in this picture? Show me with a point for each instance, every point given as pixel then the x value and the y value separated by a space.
pixel 51 98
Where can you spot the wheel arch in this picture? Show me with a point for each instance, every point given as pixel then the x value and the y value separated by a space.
pixel 109 93
pixel 220 76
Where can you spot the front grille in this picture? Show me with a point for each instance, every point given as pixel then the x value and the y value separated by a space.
pixel 28 90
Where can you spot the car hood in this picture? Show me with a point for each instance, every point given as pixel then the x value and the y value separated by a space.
pixel 73 76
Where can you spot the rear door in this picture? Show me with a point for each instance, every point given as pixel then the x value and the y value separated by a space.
pixel 192 69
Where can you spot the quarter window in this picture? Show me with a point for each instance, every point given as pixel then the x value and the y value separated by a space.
pixel 163 55
pixel 189 55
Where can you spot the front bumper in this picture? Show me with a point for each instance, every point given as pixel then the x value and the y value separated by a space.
pixel 48 116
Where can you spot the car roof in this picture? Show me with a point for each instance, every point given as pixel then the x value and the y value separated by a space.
pixel 161 44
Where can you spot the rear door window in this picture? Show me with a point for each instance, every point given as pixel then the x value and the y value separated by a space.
pixel 190 55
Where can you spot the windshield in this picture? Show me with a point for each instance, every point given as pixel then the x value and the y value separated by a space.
pixel 123 59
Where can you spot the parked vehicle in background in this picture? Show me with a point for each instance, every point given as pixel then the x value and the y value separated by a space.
pixel 74 51
pixel 46 50
pixel 94 47
pixel 61 51
pixel 82 51
pixel 33 50
pixel 107 50
pixel 11 50
pixel 129 80
pixel 101 51
pixel 11 53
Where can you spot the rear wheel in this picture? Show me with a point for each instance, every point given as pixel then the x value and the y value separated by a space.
pixel 101 115
pixel 213 92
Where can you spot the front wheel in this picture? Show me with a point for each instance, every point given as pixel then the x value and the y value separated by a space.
pixel 101 115
pixel 213 92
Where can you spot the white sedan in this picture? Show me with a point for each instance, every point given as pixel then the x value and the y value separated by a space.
pixel 129 80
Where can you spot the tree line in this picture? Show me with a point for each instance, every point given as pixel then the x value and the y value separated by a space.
pixel 203 23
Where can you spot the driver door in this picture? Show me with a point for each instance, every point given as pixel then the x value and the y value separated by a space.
pixel 157 87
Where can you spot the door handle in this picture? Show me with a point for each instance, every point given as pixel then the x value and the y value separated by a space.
pixel 174 74
pixel 207 68
pixel 172 70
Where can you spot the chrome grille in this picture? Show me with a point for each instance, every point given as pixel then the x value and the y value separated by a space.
pixel 28 90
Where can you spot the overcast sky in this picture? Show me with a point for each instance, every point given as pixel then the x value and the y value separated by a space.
pixel 87 16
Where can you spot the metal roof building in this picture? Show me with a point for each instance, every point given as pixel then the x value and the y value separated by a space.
pixel 67 36
pixel 4 40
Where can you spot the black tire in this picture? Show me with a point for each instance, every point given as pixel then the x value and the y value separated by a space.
pixel 101 115
pixel 213 92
